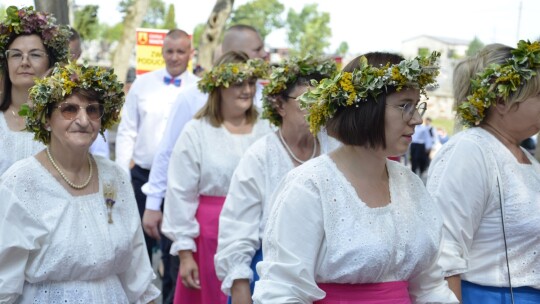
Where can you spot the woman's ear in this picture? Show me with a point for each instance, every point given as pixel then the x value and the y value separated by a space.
pixel 279 106
pixel 502 107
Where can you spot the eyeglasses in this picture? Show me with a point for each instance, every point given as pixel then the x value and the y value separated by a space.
pixel 34 56
pixel 408 109
pixel 70 110
pixel 292 97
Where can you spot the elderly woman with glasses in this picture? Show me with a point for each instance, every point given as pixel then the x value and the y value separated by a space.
pixel 71 230
pixel 30 44
pixel 349 227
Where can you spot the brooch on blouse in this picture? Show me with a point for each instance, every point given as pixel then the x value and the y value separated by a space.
pixel 110 196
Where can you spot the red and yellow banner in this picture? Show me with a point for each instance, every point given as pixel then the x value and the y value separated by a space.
pixel 148 50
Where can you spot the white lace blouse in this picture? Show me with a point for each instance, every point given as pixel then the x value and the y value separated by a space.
pixel 319 231
pixel 202 163
pixel 15 145
pixel 244 214
pixel 59 248
pixel 463 181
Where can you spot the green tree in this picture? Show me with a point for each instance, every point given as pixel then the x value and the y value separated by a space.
pixel 264 15
pixel 197 33
pixel 2 11
pixel 86 22
pixel 342 49
pixel 170 22
pixel 474 47
pixel 308 31
pixel 112 33
pixel 154 17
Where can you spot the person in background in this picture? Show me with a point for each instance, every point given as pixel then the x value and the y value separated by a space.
pixel 236 38
pixel 101 145
pixel 70 230
pixel 486 185
pixel 421 144
pixel 349 227
pixel 200 170
pixel 28 49
pixel 145 114
pixel 244 213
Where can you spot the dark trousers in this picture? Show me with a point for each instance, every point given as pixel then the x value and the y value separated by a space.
pixel 139 177
pixel 419 158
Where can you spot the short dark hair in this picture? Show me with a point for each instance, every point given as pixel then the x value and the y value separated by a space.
pixel 363 125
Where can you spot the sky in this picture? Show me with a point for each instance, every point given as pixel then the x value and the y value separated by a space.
pixel 378 25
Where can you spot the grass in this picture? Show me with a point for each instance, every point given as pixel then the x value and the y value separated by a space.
pixel 447 124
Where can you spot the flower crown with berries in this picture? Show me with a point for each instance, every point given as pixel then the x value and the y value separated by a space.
pixel 499 81
pixel 286 74
pixel 60 85
pixel 224 75
pixel 27 21
pixel 350 89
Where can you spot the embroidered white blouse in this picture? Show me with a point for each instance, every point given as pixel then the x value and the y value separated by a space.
pixel 319 231
pixel 244 214
pixel 202 163
pixel 56 248
pixel 463 182
pixel 15 145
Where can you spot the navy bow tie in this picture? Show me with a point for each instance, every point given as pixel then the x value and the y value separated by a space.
pixel 175 81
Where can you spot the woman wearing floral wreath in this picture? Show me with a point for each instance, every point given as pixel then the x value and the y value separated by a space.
pixel 243 217
pixel 70 230
pixel 200 170
pixel 30 44
pixel 487 185
pixel 349 227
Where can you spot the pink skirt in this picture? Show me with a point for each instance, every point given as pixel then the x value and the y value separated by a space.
pixel 373 293
pixel 210 293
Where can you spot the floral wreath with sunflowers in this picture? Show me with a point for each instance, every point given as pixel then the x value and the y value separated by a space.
pixel 224 75
pixel 499 81
pixel 60 85
pixel 350 89
pixel 26 21
pixel 287 73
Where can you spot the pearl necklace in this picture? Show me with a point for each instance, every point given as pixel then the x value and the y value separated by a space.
pixel 291 152
pixel 70 183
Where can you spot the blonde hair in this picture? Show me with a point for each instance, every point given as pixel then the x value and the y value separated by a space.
pixel 212 109
pixel 469 67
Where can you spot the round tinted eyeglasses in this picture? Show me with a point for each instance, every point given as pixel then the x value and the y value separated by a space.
pixel 70 110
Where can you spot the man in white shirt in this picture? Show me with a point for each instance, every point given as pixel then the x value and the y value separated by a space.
pixel 145 113
pixel 189 101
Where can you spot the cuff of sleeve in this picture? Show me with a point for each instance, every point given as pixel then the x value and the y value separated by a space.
pixel 239 272
pixel 184 244
pixel 442 294
pixel 9 299
pixel 149 295
pixel 153 203
pixel 452 260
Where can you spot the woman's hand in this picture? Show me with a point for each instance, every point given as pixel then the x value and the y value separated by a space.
pixel 189 271
pixel 240 292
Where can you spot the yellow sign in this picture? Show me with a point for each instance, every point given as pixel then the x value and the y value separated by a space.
pixel 148 50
